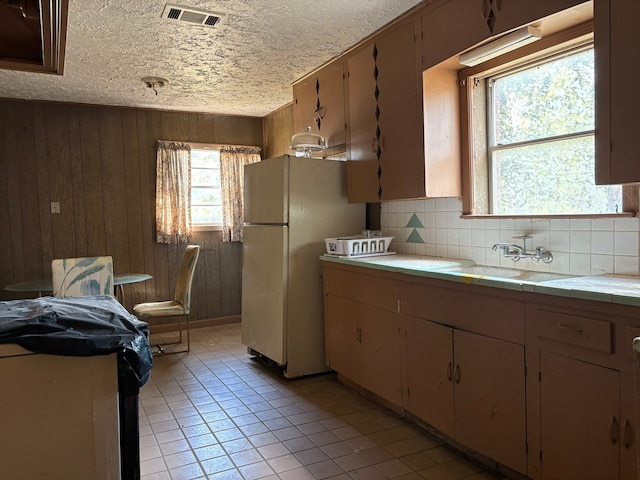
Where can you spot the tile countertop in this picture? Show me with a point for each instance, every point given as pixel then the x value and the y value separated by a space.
pixel 612 288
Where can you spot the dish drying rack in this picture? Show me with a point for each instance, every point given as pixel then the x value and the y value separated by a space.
pixel 358 246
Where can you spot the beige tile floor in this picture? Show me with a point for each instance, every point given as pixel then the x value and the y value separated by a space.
pixel 217 413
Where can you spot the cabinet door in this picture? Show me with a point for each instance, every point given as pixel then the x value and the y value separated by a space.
pixel 441 41
pixel 490 411
pixel 386 155
pixel 319 103
pixel 429 357
pixel 380 353
pixel 363 344
pixel 399 120
pixel 342 336
pixel 511 14
pixel 363 163
pixel 617 100
pixel 629 402
pixel 579 422
pixel 305 101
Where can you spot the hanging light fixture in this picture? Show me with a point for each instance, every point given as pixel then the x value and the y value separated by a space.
pixel 307 142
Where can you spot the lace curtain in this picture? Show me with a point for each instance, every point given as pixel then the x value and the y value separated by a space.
pixel 232 162
pixel 173 192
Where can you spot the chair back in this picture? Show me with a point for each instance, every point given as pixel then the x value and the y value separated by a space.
pixel 185 277
pixel 78 277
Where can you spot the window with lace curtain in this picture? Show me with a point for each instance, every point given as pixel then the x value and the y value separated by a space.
pixel 200 187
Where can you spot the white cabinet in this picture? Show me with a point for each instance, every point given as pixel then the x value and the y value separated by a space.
pixel 59 416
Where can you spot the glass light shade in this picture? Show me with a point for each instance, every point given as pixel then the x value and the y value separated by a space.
pixel 307 142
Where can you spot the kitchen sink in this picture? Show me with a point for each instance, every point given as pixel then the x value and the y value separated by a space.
pixel 509 274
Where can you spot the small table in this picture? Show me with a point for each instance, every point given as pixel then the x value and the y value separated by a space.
pixel 44 285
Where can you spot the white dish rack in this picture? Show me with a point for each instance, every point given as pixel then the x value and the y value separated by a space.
pixel 357 246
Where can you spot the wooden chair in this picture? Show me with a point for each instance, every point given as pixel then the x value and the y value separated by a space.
pixel 180 306
pixel 78 277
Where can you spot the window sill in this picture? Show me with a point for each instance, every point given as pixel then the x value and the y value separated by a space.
pixel 207 228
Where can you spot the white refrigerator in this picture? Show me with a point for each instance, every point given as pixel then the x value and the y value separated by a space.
pixel 291 204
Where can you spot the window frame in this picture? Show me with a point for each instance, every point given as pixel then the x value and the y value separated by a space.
pixel 202 227
pixel 547 47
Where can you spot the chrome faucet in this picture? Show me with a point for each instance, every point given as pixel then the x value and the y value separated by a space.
pixel 515 252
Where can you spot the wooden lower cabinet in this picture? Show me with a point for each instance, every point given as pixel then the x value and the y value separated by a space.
pixel 544 385
pixel 580 419
pixel 363 344
pixel 470 387
pixel 587 420
pixel 490 406
pixel 429 354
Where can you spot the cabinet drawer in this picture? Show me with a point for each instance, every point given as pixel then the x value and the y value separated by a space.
pixel 364 288
pixel 576 330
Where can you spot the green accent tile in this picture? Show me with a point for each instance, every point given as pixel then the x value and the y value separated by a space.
pixel 415 237
pixel 414 222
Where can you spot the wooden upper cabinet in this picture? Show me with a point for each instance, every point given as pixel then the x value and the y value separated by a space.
pixel 504 15
pixel 362 163
pixel 386 160
pixel 617 99
pixel 319 104
pixel 454 26
pixel 450 28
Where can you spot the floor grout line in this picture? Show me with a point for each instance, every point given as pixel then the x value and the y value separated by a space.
pixel 216 413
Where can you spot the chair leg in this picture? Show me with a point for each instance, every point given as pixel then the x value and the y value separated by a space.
pixel 159 346
pixel 188 334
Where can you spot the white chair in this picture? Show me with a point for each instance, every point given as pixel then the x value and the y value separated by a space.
pixel 180 306
pixel 78 277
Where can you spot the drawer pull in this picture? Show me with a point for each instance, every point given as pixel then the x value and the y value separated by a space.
pixel 456 373
pixel 628 434
pixel 449 372
pixel 569 328
pixel 614 430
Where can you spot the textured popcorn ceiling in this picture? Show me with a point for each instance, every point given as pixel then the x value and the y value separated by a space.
pixel 244 65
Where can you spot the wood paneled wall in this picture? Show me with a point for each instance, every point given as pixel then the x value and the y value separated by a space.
pixel 99 163
pixel 278 130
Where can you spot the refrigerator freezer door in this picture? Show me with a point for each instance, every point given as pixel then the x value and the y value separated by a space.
pixel 266 191
pixel 264 293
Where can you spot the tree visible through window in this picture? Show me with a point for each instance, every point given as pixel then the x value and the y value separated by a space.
pixel 206 194
pixel 541 152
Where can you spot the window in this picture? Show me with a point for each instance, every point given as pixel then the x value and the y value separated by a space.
pixel 532 149
pixel 206 193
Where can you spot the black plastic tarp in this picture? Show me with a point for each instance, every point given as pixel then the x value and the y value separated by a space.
pixel 79 326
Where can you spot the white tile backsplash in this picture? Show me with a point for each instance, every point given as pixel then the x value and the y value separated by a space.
pixel 580 246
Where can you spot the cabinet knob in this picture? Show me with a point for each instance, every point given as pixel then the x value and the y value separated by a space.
pixel 374 145
pixel 456 373
pixel 449 371
pixel 614 430
pixel 628 433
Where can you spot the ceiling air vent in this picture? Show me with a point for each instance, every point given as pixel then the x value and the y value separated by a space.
pixel 190 15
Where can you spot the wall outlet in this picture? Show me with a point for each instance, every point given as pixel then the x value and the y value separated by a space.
pixel 55 207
